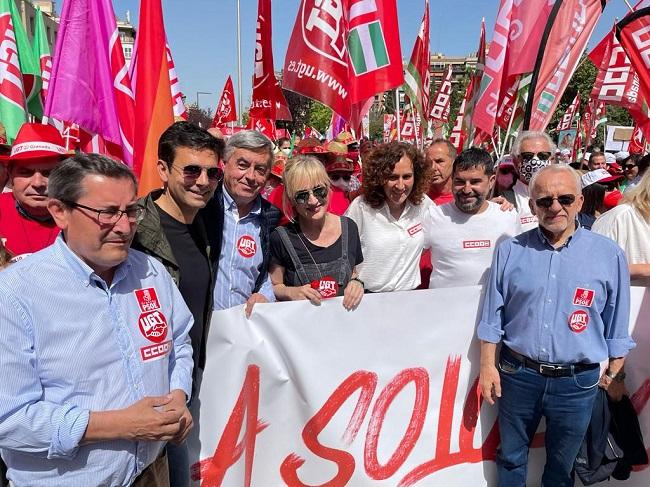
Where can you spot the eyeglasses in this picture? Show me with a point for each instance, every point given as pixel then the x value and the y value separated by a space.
pixel 336 177
pixel 134 214
pixel 194 171
pixel 542 156
pixel 563 199
pixel 629 167
pixel 319 192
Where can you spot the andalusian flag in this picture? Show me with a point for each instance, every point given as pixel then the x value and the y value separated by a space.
pixel 154 111
pixel 28 65
pixel 42 53
pixel 12 95
pixel 417 77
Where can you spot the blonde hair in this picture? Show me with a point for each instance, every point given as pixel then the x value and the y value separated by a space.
pixel 639 197
pixel 5 255
pixel 298 171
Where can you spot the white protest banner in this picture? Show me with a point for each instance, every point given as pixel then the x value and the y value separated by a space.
pixel 385 395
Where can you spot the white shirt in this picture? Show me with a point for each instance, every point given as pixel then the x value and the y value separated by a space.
pixel 462 244
pixel 627 227
pixel 527 220
pixel 391 248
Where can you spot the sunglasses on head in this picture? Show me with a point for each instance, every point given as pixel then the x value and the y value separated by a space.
pixel 563 199
pixel 319 192
pixel 344 177
pixel 193 171
pixel 542 156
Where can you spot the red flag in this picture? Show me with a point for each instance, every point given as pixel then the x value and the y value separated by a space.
pixel 408 127
pixel 154 111
pixel 474 86
pixel 226 110
pixel 637 142
pixel 567 119
pixel 177 94
pixel 263 125
pixel 343 53
pixel 417 77
pixel 567 32
pixel 458 134
pixel 442 101
pixel 268 100
pixel 632 32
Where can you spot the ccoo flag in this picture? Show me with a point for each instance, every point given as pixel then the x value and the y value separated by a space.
pixel 417 78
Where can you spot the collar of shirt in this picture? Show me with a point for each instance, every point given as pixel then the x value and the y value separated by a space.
pixel 405 212
pixel 230 205
pixel 83 271
pixel 575 235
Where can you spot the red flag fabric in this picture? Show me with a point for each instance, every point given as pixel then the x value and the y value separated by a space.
pixel 633 34
pixel 458 134
pixel 571 111
pixel 268 100
pixel 527 27
pixel 474 86
pixel 177 94
pixel 342 53
pixel 226 109
pixel 154 111
pixel 263 125
pixel 637 142
pixel 442 101
pixel 417 77
pixel 567 32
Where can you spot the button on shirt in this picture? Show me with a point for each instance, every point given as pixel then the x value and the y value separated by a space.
pixel 70 344
pixel 241 256
pixel 566 305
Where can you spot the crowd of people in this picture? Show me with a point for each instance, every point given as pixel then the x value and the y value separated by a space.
pixel 106 299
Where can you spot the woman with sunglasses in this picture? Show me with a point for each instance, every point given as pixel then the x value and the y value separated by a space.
pixel 389 216
pixel 315 256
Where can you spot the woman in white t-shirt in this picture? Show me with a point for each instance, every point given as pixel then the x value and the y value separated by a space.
pixel 389 217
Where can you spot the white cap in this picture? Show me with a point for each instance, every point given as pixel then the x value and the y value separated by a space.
pixel 595 176
pixel 609 158
pixel 565 152
pixel 621 155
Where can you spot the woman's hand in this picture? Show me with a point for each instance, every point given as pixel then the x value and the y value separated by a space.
pixel 352 294
pixel 297 293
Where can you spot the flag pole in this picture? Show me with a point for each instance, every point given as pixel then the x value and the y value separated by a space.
pixel 399 129
pixel 239 63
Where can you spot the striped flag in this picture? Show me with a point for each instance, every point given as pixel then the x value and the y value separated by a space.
pixel 12 95
pixel 42 53
pixel 417 78
pixel 367 48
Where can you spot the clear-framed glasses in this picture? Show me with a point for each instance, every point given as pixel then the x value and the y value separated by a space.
pixel 134 214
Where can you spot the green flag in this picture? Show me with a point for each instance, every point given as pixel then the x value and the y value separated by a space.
pixel 12 95
pixel 42 53
pixel 29 65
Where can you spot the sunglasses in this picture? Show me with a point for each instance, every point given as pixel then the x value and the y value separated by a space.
pixel 336 177
pixel 563 199
pixel 193 171
pixel 628 167
pixel 319 192
pixel 542 156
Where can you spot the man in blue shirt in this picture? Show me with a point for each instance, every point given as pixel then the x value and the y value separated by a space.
pixel 241 222
pixel 558 299
pixel 95 351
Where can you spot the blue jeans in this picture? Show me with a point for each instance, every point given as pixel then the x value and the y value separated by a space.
pixel 526 396
pixel 179 465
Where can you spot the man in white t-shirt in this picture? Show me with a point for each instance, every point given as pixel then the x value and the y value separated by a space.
pixel 464 234
pixel 531 151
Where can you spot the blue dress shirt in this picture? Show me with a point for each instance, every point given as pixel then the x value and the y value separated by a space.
pixel 237 271
pixel 71 344
pixel 565 305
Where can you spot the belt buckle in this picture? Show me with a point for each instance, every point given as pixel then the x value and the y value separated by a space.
pixel 547 369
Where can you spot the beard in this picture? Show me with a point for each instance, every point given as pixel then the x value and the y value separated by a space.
pixel 469 206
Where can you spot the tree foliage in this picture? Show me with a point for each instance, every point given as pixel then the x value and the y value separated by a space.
pixel 199 116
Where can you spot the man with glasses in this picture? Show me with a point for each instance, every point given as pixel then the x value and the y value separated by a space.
pixel 96 356
pixel 531 151
pixel 174 232
pixel 241 222
pixel 558 298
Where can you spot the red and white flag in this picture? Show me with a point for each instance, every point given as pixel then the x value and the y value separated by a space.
pixel 571 111
pixel 458 134
pixel 343 53
pixel 417 78
pixel 312 132
pixel 263 125
pixel 442 101
pixel 177 95
pixel 226 111
pixel 268 100
pixel 637 142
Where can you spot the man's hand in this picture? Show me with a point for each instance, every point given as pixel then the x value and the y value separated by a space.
pixel 255 298
pixel 503 203
pixel 147 419
pixel 179 403
pixel 615 389
pixel 352 294
pixel 490 383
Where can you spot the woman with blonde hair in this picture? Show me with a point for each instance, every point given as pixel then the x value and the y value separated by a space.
pixel 316 255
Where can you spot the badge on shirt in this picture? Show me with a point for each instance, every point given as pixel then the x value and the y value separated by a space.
pixel 477 244
pixel 584 297
pixel 326 286
pixel 152 324
pixel 246 246
pixel 414 229
pixel 578 321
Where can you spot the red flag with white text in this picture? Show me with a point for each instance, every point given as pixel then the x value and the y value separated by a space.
pixel 570 113
pixel 226 110
pixel 441 103
pixel 177 95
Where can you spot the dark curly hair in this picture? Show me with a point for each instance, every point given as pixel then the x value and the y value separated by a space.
pixel 380 164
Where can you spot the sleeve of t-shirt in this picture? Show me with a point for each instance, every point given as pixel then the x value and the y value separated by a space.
pixel 354 243
pixel 279 254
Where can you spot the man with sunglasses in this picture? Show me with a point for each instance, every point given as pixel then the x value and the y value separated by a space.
pixel 531 151
pixel 558 298
pixel 96 356
pixel 174 232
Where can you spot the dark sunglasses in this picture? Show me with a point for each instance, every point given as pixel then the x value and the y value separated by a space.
pixel 319 192
pixel 542 156
pixel 627 167
pixel 193 171
pixel 336 177
pixel 563 199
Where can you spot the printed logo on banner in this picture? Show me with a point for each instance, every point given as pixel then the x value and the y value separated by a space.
pixel 147 299
pixel 476 244
pixel 414 229
pixel 323 29
pixel 327 286
pixel 578 321
pixel 153 326
pixel 155 352
pixel 246 246
pixel 584 297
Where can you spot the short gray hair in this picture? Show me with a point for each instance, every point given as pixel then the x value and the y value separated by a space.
pixel 251 140
pixel 451 148
pixel 66 181
pixel 556 168
pixel 531 134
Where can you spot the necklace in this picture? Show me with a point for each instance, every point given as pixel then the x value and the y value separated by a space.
pixel 310 256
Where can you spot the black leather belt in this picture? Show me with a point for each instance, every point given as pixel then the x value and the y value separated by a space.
pixel 551 370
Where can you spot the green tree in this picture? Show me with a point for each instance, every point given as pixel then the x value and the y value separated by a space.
pixel 319 116
pixel 199 116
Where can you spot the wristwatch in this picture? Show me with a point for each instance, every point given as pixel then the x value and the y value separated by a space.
pixel 359 281
pixel 618 377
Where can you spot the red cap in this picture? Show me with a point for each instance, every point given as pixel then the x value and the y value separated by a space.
pixel 612 199
pixel 36 141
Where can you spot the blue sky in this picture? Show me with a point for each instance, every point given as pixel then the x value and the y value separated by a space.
pixel 203 39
